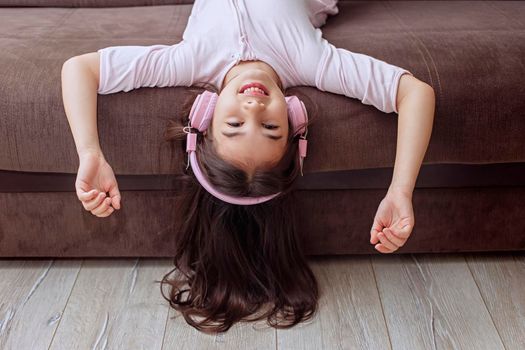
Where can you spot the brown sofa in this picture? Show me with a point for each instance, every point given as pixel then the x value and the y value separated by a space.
pixel 470 192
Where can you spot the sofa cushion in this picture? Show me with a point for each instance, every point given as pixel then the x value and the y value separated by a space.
pixel 471 55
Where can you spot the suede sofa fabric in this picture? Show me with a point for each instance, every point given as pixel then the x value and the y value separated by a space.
pixel 472 55
pixel 478 50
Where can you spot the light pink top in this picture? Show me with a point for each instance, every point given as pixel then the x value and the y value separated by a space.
pixel 284 34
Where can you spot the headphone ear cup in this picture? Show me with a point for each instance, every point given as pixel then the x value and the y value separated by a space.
pixel 297 113
pixel 202 110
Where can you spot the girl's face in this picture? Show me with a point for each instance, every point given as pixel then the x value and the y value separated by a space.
pixel 260 121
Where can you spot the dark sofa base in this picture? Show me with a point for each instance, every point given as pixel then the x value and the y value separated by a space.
pixel 449 219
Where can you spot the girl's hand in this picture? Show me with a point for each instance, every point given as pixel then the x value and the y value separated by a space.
pixel 94 179
pixel 393 222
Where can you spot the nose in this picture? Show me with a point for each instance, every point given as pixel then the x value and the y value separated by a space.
pixel 254 105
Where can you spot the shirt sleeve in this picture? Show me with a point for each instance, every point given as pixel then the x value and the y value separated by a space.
pixel 372 81
pixel 123 68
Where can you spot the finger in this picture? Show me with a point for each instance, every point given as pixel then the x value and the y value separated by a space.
pixel 384 240
pixel 376 228
pixel 114 193
pixel 403 229
pixel 373 236
pixel 107 212
pixel 85 196
pixel 382 249
pixel 393 238
pixel 92 204
pixel 403 232
pixel 102 207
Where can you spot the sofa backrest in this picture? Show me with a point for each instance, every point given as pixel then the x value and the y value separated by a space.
pixel 99 3
pixel 89 3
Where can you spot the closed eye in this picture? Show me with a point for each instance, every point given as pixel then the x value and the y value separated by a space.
pixel 232 134
pixel 267 126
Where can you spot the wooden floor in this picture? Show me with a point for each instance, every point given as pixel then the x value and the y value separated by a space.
pixel 391 301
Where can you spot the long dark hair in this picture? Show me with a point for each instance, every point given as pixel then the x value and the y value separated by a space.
pixel 237 260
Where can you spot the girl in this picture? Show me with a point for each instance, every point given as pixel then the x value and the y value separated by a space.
pixel 238 250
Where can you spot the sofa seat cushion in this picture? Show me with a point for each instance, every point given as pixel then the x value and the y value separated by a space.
pixel 471 55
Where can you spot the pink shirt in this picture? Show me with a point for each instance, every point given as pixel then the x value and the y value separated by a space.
pixel 284 34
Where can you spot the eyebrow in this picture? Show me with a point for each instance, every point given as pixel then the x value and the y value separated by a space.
pixel 235 133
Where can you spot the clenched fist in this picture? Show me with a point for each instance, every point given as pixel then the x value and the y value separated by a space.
pixel 95 178
pixel 393 222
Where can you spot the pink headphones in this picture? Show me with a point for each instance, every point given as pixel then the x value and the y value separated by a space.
pixel 200 118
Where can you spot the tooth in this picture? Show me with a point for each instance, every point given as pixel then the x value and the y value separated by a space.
pixel 254 89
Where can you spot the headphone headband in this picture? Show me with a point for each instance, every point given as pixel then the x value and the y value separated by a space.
pixel 200 118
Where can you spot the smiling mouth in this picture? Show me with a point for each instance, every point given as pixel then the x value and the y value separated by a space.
pixel 255 89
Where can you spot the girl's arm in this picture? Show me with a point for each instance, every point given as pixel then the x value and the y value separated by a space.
pixel 389 88
pixel 114 69
pixel 394 219
pixel 80 79
pixel 416 105
pixel 128 67
pixel 368 79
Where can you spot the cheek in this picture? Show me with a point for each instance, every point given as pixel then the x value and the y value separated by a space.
pixel 284 111
pixel 223 109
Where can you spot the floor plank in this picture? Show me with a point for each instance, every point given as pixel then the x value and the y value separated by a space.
pixel 350 315
pixel 115 304
pixel 395 301
pixel 431 301
pixel 501 281
pixel 242 335
pixel 33 295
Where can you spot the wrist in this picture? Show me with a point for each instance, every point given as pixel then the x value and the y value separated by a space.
pixel 90 152
pixel 400 190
